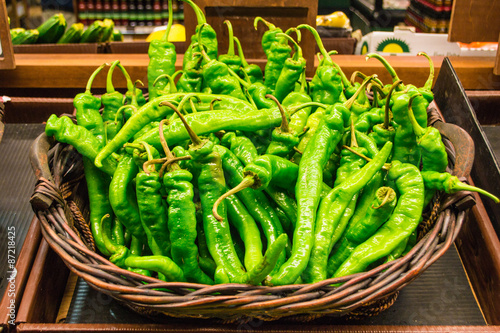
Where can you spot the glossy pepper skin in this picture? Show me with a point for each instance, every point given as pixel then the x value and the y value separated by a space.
pixel 208 37
pixel 400 225
pixel 251 72
pixel 256 201
pixel 162 57
pixel 191 78
pixel 283 139
pixel 153 212
pixel 279 52
pixel 291 72
pixel 123 199
pixel 64 130
pixel 307 192
pixel 326 85
pixel 97 187
pixel 151 111
pixel 405 141
pixel 213 121
pixel 218 77
pixel 328 218
pixel 232 60
pixel 182 224
pixel 378 211
pixel 112 100
pixel 87 110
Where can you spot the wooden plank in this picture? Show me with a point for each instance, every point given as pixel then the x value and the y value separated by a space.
pixel 7 60
pixel 295 327
pixel 23 267
pixel 474 21
pixel 44 289
pixel 73 70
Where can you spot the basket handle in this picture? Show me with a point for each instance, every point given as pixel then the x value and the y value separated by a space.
pixel 40 164
pixel 464 159
pixel 463 144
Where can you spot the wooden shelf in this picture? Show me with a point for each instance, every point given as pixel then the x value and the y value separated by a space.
pixel 73 70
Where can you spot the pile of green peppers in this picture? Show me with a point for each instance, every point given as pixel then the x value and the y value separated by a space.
pixel 227 174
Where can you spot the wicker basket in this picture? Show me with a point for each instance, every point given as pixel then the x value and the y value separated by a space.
pixel 59 201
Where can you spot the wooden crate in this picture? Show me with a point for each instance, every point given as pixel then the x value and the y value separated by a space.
pixel 284 14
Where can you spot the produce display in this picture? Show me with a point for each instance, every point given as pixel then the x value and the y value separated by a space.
pixel 54 30
pixel 225 173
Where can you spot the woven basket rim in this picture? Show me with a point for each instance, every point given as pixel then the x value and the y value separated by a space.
pixel 366 293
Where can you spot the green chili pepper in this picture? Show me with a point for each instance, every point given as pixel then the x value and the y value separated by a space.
pixel 214 121
pixel 257 203
pixel 400 225
pixel 443 181
pixel 328 217
pixel 250 71
pixel 283 139
pixel 405 141
pixel 307 192
pixel 163 265
pixel 151 111
pixel 182 218
pixel 122 197
pixel 269 37
pixel 279 52
pixel 87 110
pixel 326 85
pixel 152 209
pixel 208 38
pixel 162 58
pixel 291 72
pixel 112 100
pixel 64 130
pixel 97 188
pixel 233 61
pixel 380 206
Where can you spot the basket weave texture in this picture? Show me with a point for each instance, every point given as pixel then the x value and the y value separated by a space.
pixel 60 203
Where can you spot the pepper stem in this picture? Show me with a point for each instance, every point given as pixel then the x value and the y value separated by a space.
pixel 306 105
pixel 170 20
pixel 149 151
pixel 171 81
pixel 319 42
pixel 247 182
pixel 417 129
pixel 298 49
pixel 200 17
pixel 237 77
pixel 240 51
pixel 345 82
pixel 200 44
pixel 387 66
pixel 348 104
pixel 172 161
pixel 386 166
pixel 121 110
pixel 230 48
pixel 455 185
pixel 166 149
pixel 387 102
pixel 92 77
pixel 186 98
pixel 430 80
pixel 192 135
pixel 258 19
pixel 354 142
pixel 385 193
pixel 130 85
pixel 284 122
pixel 109 80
